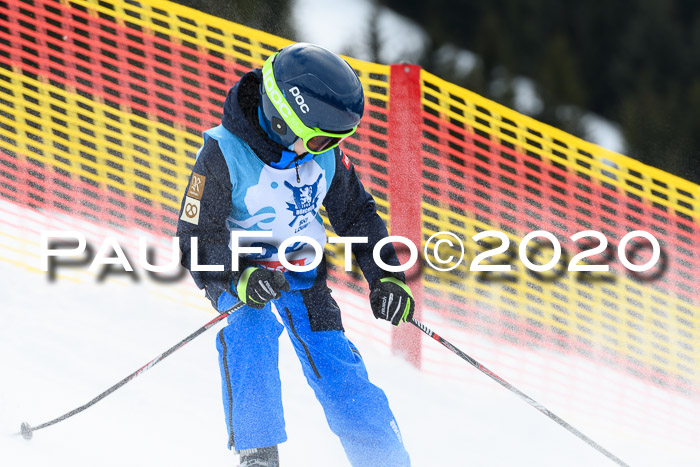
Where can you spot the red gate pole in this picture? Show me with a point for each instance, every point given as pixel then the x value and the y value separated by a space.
pixel 405 175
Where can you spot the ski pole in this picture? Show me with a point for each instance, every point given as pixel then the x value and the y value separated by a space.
pixel 515 390
pixel 27 430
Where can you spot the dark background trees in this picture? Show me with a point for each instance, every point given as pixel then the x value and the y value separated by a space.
pixel 634 62
pixel 273 16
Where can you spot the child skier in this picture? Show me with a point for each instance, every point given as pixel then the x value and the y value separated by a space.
pixel 266 171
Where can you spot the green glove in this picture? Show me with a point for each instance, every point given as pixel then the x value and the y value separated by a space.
pixel 257 286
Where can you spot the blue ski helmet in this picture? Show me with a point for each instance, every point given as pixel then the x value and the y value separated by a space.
pixel 322 89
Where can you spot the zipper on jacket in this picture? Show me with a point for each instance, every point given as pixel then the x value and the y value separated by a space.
pixel 296 166
pixel 303 344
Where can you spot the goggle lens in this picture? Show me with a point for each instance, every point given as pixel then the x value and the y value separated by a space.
pixel 322 142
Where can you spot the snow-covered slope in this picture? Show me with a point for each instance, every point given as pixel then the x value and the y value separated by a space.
pixel 63 343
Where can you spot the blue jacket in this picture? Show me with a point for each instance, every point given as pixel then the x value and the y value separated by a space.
pixel 237 171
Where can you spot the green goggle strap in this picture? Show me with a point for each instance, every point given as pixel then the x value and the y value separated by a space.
pixel 285 110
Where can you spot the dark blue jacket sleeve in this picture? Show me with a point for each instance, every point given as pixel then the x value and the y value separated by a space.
pixel 211 231
pixel 352 213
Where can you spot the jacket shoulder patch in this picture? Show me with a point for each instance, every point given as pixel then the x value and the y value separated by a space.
pixel 196 189
pixel 190 212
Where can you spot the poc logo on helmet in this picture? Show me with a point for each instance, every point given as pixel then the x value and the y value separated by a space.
pixel 299 99
pixel 276 97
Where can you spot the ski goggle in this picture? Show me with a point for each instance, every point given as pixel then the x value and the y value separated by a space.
pixel 315 140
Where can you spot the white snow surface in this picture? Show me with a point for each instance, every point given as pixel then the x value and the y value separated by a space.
pixel 63 343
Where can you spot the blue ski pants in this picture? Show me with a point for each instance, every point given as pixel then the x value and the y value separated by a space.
pixel 357 411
